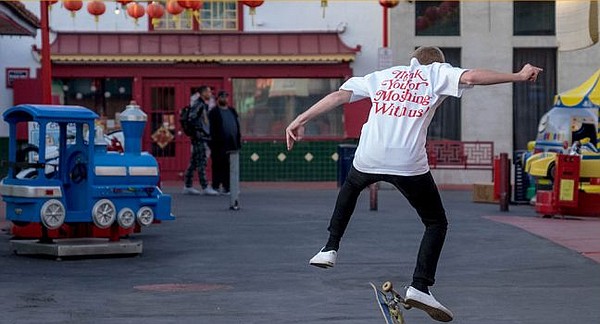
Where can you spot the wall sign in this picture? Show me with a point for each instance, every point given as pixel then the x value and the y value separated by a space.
pixel 13 74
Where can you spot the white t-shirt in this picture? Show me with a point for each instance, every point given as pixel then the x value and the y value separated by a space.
pixel 404 100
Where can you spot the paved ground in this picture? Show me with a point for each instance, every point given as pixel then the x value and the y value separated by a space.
pixel 213 265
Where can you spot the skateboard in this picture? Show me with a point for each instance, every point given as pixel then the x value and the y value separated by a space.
pixel 390 301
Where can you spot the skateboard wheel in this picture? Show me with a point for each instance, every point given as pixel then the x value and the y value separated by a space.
pixel 387 286
pixel 406 306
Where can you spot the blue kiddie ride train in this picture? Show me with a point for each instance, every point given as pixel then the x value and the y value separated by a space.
pixel 65 184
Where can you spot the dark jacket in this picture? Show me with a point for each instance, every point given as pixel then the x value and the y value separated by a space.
pixel 199 117
pixel 218 142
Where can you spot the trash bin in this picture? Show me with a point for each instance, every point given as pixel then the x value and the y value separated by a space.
pixel 345 157
pixel 521 179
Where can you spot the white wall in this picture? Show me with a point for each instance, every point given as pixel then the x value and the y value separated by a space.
pixel 360 23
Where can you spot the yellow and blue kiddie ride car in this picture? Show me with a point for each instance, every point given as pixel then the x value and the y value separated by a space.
pixel 65 184
pixel 566 159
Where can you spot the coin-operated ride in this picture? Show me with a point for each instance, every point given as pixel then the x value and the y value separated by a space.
pixel 566 160
pixel 65 184
pixel 570 126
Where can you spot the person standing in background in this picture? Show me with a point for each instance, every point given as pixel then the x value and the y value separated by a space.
pixel 225 138
pixel 200 136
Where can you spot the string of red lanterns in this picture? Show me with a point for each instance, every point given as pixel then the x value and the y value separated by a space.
pixel 155 10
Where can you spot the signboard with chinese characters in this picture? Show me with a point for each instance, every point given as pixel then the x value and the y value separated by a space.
pixel 13 74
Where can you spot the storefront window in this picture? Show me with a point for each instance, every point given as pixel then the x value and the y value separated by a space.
pixel 106 96
pixel 437 18
pixel 267 106
pixel 214 15
pixel 534 18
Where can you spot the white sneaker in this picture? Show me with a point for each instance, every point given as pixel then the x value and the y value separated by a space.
pixel 324 259
pixel 427 302
pixel 209 191
pixel 190 191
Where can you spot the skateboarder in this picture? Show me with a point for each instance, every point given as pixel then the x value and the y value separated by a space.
pixel 392 149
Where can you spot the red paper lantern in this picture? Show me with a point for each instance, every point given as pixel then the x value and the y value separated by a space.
pixel 155 11
pixel 174 8
pixel 136 11
pixel 389 3
pixel 253 4
pixel 73 6
pixel 190 4
pixel 96 8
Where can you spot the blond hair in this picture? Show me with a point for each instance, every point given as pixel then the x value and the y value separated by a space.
pixel 429 54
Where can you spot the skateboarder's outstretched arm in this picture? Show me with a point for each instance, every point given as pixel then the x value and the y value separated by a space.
pixel 488 77
pixel 295 130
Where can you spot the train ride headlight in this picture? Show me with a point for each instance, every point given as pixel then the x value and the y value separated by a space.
pixel 52 214
pixel 126 218
pixel 104 213
pixel 145 216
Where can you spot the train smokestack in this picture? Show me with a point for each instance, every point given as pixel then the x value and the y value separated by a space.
pixel 133 121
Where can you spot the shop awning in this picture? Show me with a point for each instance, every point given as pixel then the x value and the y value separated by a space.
pixel 586 95
pixel 224 48
pixel 16 20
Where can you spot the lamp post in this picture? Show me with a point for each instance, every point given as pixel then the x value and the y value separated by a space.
pixel 385 26
pixel 385 53
pixel 46 69
pixel 387 4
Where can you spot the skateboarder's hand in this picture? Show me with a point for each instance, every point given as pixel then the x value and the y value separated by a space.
pixel 293 133
pixel 529 72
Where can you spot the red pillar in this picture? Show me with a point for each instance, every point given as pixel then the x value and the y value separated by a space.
pixel 46 68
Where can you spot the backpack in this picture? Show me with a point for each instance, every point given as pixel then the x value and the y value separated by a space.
pixel 186 123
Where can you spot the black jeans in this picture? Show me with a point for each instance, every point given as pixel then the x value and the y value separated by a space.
pixel 422 193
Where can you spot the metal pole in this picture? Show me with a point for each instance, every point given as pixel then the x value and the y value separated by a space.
pixel 45 61
pixel 385 26
pixel 373 196
pixel 504 176
pixel 234 180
